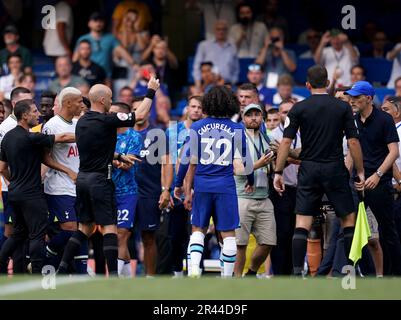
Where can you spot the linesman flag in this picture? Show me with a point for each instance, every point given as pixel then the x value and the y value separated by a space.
pixel 362 232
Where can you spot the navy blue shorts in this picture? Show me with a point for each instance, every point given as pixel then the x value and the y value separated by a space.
pixel 126 205
pixel 61 208
pixel 221 206
pixel 7 209
pixel 148 214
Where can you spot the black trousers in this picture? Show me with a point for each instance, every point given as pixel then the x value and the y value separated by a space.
pixel 30 222
pixel 284 213
pixel 179 233
pixel 381 202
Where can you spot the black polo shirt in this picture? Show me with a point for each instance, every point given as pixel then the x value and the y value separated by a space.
pixel 374 135
pixel 96 138
pixel 322 120
pixel 23 151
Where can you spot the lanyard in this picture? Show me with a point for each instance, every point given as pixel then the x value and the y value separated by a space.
pixel 399 125
pixel 338 57
pixel 261 149
pixel 294 143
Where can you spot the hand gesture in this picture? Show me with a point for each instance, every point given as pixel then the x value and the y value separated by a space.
pixel 326 38
pixel 153 83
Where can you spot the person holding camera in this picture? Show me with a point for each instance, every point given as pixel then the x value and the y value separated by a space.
pixel 255 208
pixel 248 35
pixel 275 58
pixel 338 58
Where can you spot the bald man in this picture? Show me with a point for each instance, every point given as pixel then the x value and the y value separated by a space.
pixel 96 137
pixel 59 187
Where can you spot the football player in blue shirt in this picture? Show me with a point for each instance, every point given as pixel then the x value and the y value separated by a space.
pixel 128 142
pixel 216 149
pixel 176 135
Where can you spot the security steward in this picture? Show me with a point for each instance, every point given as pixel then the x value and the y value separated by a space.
pixel 96 137
pixel 323 120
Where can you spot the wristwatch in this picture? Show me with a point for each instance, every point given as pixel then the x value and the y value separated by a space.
pixel 379 173
pixel 279 172
pixel 166 189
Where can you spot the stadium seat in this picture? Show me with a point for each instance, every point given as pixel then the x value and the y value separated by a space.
pixel 377 69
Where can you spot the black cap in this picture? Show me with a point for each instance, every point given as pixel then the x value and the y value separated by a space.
pixel 97 16
pixel 10 29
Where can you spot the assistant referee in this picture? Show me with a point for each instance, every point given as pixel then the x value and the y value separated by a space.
pixel 323 120
pixel 96 137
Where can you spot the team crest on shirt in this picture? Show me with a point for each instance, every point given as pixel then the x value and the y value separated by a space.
pixel 286 122
pixel 122 116
pixel 123 145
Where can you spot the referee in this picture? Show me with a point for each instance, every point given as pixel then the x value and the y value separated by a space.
pixel 323 120
pixel 96 135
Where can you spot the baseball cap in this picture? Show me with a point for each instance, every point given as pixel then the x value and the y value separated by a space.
pixel 252 106
pixel 97 16
pixel 10 29
pixel 361 88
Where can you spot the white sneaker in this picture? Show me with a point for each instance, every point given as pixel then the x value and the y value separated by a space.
pixel 195 272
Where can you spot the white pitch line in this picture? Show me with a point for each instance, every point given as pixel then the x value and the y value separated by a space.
pixel 31 285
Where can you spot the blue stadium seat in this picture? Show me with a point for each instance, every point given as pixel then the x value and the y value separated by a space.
pixel 302 66
pixel 377 69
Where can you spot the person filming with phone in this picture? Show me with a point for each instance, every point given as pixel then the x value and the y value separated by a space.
pixel 275 58
pixel 255 208
pixel 338 58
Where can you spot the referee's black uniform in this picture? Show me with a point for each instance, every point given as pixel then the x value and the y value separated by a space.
pixel 96 137
pixel 322 120
pixel 23 151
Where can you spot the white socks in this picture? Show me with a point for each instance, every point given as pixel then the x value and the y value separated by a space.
pixel 196 244
pixel 124 268
pixel 228 256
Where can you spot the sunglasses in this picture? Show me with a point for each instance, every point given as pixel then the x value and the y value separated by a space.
pixel 254 67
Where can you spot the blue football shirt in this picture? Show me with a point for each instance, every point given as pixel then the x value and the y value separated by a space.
pixel 129 142
pixel 215 142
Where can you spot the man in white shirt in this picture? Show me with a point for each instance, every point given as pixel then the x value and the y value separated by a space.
pixel 248 35
pixel 395 56
pixel 284 206
pixel 393 107
pixel 60 187
pixel 338 58
pixel 17 94
pixel 57 41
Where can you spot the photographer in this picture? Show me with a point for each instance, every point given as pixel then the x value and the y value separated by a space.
pixel 275 58
pixel 247 34
pixel 338 58
pixel 255 208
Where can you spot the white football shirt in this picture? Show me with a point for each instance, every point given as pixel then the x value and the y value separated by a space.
pixel 56 182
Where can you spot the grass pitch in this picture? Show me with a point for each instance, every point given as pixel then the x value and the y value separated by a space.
pixel 206 288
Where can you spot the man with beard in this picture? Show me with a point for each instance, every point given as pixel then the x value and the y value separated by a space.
pixel 247 34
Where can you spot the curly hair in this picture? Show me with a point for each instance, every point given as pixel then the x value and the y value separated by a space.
pixel 220 102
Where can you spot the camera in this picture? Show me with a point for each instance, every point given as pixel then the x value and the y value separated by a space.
pixel 273 41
